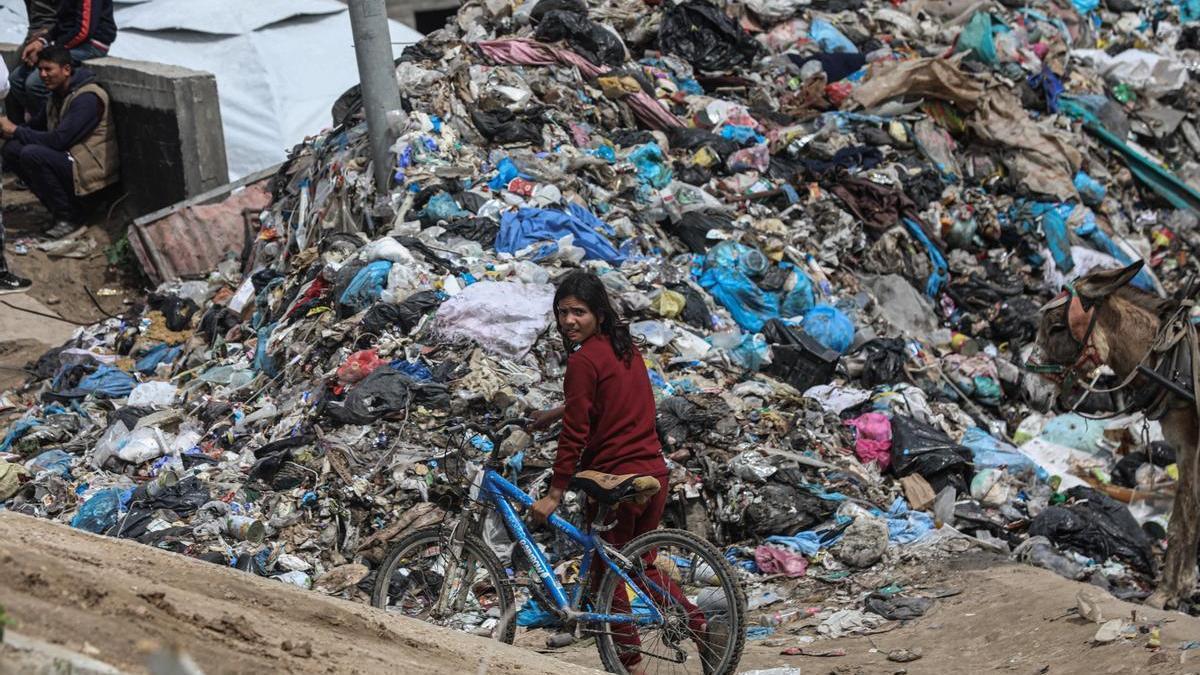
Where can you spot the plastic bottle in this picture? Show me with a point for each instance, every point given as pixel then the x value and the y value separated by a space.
pixel 943 507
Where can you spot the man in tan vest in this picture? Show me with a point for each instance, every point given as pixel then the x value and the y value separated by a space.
pixel 69 149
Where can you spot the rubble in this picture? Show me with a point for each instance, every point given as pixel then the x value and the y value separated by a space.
pixel 830 229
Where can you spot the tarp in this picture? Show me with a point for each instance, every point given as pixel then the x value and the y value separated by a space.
pixel 279 64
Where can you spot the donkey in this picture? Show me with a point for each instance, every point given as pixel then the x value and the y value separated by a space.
pixel 1104 321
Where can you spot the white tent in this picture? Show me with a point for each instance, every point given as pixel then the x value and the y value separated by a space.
pixel 280 64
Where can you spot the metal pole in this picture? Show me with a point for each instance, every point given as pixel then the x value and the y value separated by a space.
pixel 380 93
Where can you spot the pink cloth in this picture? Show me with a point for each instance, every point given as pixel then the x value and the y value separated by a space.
pixel 525 52
pixel 773 560
pixel 874 441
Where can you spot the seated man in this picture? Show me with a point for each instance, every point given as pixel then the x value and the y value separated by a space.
pixel 69 148
pixel 85 27
pixel 9 282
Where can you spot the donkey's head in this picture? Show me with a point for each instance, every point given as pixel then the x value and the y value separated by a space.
pixel 1098 320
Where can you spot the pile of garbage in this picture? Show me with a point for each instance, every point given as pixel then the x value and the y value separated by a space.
pixel 830 224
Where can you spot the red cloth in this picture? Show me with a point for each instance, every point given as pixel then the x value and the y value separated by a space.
pixel 608 424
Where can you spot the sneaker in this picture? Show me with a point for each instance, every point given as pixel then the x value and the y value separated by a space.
pixel 64 229
pixel 11 283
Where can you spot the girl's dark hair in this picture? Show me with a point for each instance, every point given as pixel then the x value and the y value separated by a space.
pixel 588 288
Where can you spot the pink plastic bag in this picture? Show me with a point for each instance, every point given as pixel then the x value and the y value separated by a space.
pixel 359 365
pixel 772 560
pixel 874 441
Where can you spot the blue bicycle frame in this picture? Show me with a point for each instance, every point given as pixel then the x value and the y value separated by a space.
pixel 495 490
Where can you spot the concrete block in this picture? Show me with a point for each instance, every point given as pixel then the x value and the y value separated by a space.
pixel 169 129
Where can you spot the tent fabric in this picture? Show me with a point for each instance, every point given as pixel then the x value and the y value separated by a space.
pixel 279 64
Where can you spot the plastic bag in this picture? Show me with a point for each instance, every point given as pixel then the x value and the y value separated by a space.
pixel 976 37
pixel 749 305
pixel 829 38
pixel 1097 526
pixel 365 288
pixel 153 394
pixel 800 298
pixel 54 461
pixel 705 37
pixel 99 512
pixel 829 326
pixel 506 171
pixel 359 365
pixel 587 38
pixel 524 227
pixel 922 449
pixel 403 317
pixel 873 440
pixel 990 453
pixel 653 168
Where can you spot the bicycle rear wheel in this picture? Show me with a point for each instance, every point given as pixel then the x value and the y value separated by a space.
pixel 414 571
pixel 705 636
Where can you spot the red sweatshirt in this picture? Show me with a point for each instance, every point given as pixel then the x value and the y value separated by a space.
pixel 608 424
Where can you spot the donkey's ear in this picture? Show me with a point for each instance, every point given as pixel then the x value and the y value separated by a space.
pixel 1099 285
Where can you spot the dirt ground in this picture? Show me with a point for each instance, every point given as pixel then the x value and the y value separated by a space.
pixel 59 282
pixel 120 603
pixel 1008 618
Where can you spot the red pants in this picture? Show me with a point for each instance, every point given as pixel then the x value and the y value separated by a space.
pixel 632 520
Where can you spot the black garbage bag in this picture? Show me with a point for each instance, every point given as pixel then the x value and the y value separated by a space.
pixel 706 37
pixel 403 317
pixel 924 188
pixel 693 227
pixel 482 230
pixel 503 127
pixel 1097 526
pixel 587 38
pixel 178 311
pixel 544 7
pixel 921 449
pixel 627 138
pixel 691 138
pixel 681 419
pixel 837 66
pixel 1125 472
pixel 884 361
pixel 695 310
pixel 897 609
pixel 782 509
pixel 384 392
pixel 217 321
pixel 181 499
pixel 128 415
pixel 272 456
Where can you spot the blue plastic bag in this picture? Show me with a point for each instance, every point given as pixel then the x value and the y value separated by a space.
pixel 1090 189
pixel 990 453
pixel 506 171
pixel 749 305
pixel 98 513
pixel 941 270
pixel 443 207
pixel 107 382
pixel 653 169
pixel 976 37
pixel 752 352
pixel 523 227
pixel 1090 231
pixel 830 39
pixel 733 255
pixel 366 287
pixel 162 353
pixel 741 135
pixel 531 615
pixel 829 326
pixel 56 461
pixel 904 526
pixel 801 298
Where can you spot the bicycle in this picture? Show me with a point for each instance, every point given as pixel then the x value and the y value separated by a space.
pixel 458 581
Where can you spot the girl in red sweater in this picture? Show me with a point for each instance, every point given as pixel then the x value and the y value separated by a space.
pixel 608 425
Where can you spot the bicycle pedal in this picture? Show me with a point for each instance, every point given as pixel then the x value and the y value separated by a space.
pixel 560 640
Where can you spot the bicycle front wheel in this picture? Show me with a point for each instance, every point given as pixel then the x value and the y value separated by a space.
pixel 479 600
pixel 696 591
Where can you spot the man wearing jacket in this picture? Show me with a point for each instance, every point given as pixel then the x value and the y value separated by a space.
pixel 9 282
pixel 69 148
pixel 84 27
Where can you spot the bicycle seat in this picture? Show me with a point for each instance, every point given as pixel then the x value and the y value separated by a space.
pixel 609 489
